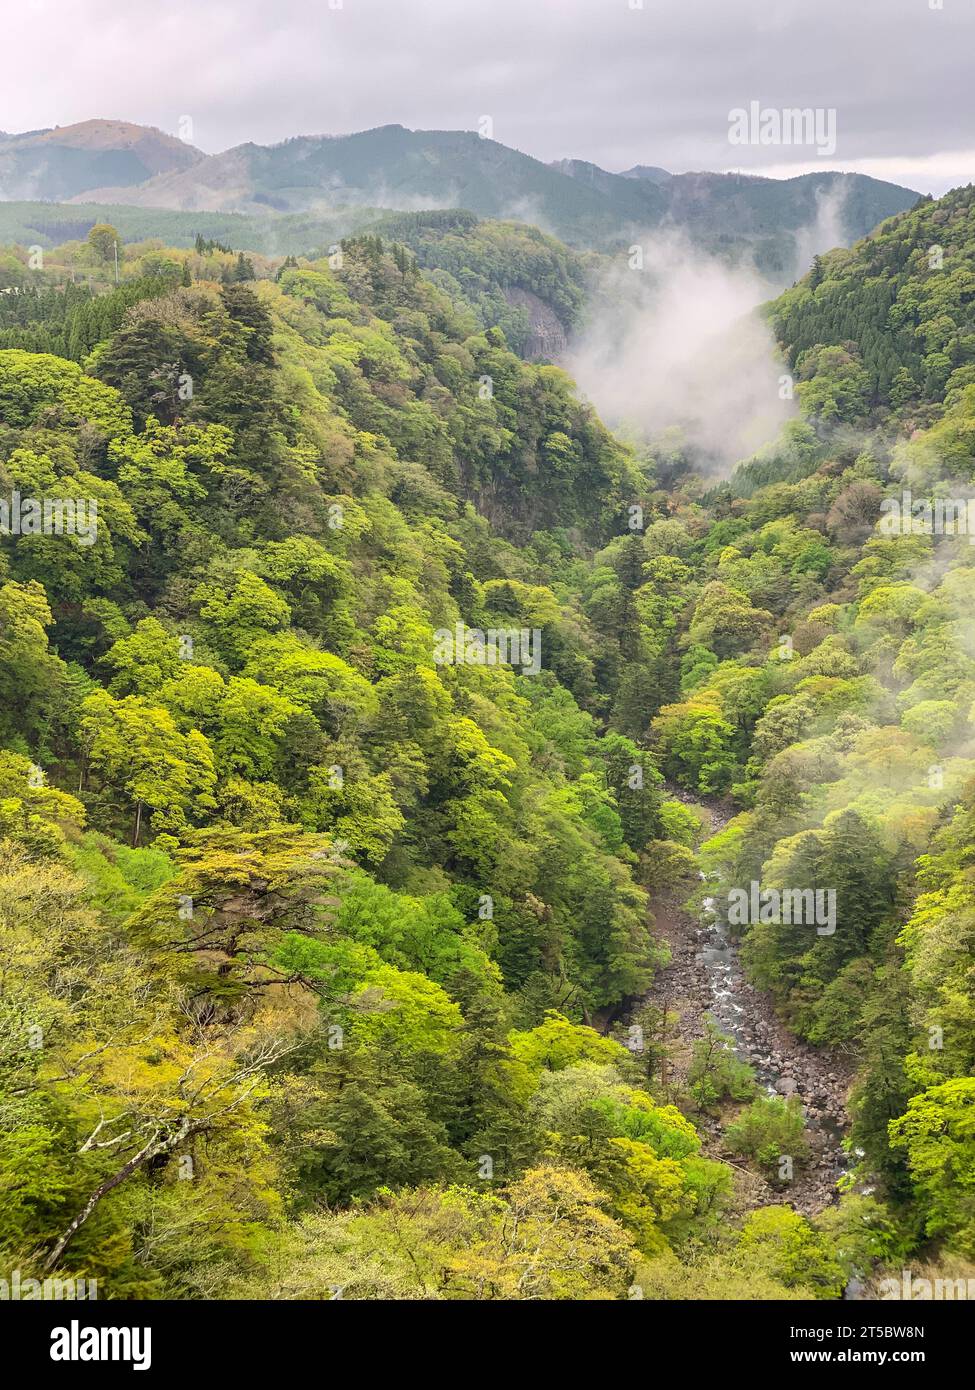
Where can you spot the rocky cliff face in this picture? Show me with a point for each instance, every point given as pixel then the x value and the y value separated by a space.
pixel 547 339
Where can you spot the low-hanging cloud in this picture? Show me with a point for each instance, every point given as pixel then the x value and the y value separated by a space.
pixel 677 343
pixel 675 339
pixel 828 228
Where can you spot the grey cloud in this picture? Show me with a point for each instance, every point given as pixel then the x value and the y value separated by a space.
pixel 595 79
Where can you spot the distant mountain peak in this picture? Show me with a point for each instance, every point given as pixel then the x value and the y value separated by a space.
pixel 104 133
pixel 61 162
pixel 647 171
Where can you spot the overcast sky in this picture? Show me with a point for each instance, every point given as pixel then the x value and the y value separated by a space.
pixel 605 80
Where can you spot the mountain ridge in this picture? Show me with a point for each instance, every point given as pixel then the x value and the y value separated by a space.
pixel 394 167
pixel 60 162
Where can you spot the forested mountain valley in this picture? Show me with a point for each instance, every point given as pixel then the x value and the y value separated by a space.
pixel 390 754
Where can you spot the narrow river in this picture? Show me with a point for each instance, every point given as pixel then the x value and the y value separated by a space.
pixel 705 978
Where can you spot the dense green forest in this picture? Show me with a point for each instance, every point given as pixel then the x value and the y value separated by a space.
pixel 323 952
pixel 482 265
pixel 51 224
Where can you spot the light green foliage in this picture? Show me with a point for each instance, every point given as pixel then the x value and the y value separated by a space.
pixel 779 1242
pixel 716 1073
pixel 769 1130
pixel 137 748
pixel 32 384
pixel 348 928
pixel 938 1135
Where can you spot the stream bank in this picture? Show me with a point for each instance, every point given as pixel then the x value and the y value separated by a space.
pixel 705 977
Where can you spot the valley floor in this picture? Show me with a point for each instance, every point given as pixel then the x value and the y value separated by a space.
pixel 705 978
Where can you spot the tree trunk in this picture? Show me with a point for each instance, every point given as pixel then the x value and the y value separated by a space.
pixel 154 1147
pixel 101 1191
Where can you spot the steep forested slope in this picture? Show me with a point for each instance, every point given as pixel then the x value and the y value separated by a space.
pixel 292 912
pixel 307 921
pixel 903 300
pixel 828 682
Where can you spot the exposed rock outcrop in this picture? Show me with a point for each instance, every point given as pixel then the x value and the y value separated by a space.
pixel 547 339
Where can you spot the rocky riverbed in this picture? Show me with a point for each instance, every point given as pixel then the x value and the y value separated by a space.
pixel 705 978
